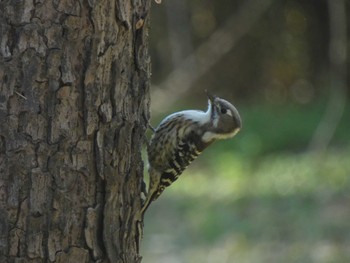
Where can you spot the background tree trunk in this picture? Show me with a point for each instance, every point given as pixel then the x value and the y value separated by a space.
pixel 74 100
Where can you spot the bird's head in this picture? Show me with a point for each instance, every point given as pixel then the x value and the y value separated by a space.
pixel 225 119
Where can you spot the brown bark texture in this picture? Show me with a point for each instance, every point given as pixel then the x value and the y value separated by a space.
pixel 74 107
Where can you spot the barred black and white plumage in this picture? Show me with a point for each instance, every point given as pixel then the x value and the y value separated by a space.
pixel 181 137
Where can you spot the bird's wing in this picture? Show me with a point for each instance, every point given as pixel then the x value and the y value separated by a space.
pixel 168 141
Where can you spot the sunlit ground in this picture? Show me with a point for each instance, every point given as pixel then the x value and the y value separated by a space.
pixel 274 206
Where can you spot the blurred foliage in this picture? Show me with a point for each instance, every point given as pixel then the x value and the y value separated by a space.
pixel 262 196
pixel 283 57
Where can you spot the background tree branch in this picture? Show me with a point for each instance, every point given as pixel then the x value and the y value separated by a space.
pixel 337 78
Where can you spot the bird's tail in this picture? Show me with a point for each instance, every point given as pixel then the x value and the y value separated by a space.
pixel 146 204
pixel 153 191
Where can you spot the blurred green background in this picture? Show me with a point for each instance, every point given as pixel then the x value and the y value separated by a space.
pixel 280 190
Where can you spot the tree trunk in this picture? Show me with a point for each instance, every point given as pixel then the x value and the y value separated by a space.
pixel 74 107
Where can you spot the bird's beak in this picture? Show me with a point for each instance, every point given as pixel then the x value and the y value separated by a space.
pixel 210 97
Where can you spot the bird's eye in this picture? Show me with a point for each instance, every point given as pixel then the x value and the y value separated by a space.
pixel 223 111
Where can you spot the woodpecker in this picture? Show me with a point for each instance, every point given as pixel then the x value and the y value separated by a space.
pixel 181 137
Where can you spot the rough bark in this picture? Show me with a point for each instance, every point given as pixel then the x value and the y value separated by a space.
pixel 74 95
